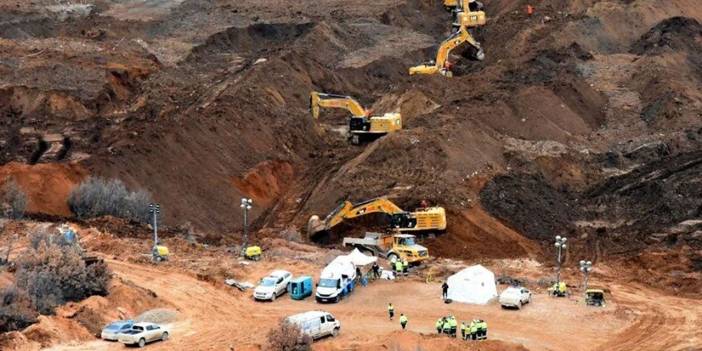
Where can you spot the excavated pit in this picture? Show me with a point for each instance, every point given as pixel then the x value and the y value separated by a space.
pixel 235 97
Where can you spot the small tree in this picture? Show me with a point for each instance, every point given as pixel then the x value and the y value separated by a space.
pixel 15 309
pixel 13 201
pixel 288 337
pixel 53 273
pixel 97 197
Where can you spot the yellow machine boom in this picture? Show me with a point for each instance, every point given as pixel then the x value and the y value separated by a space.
pixel 348 103
pixel 431 218
pixel 360 122
pixel 465 20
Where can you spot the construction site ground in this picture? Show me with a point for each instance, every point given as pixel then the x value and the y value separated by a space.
pixel 209 315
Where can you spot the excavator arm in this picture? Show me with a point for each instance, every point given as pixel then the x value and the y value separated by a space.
pixel 348 210
pixel 465 21
pixel 348 103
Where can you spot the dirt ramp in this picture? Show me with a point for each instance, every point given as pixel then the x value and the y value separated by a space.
pixel 47 185
pixel 475 234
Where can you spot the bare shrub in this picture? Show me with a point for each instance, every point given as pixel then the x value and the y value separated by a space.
pixel 288 337
pixel 96 197
pixel 15 310
pixel 13 201
pixel 53 273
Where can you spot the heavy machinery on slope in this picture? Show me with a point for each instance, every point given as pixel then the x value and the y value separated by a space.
pixel 464 21
pixel 391 246
pixel 361 122
pixel 462 5
pixel 423 219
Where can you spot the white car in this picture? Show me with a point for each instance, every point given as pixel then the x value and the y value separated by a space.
pixel 316 324
pixel 111 331
pixel 272 286
pixel 515 296
pixel 142 333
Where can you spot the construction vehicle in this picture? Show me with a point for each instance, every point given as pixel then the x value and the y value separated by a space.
pixel 361 122
pixel 423 219
pixel 464 21
pixel 392 247
pixel 595 297
pixel 253 253
pixel 558 289
pixel 462 5
pixel 69 236
pixel 160 253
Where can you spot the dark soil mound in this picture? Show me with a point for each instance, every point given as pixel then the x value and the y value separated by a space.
pixel 530 205
pixel 676 33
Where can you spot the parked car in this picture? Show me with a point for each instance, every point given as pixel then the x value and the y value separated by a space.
pixel 316 324
pixel 300 287
pixel 515 296
pixel 272 286
pixel 143 333
pixel 112 330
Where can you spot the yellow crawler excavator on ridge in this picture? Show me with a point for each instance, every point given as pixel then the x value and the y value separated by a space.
pixel 423 219
pixel 361 123
pixel 441 65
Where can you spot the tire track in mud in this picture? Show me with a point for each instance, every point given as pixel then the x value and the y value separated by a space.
pixel 661 322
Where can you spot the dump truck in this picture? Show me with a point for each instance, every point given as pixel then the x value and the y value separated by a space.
pixel 391 246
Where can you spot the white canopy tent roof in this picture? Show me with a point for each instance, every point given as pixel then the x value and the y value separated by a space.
pixel 474 284
pixel 360 259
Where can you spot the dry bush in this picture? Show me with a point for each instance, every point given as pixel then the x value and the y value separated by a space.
pixel 53 273
pixel 13 201
pixel 96 197
pixel 288 337
pixel 15 310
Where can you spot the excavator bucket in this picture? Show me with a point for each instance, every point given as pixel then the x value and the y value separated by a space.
pixel 315 226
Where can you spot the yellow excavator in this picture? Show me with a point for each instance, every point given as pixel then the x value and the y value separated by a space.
pixel 361 123
pixel 464 21
pixel 462 5
pixel 423 219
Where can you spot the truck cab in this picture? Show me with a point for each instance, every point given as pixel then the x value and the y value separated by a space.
pixel 404 246
pixel 392 247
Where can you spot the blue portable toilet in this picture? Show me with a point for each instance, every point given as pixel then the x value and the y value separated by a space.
pixel 300 287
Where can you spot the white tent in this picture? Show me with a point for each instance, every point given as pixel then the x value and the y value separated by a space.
pixel 475 284
pixel 359 259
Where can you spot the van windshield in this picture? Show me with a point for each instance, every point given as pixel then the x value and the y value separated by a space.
pixel 328 283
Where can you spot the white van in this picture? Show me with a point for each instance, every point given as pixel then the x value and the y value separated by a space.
pixel 316 324
pixel 336 281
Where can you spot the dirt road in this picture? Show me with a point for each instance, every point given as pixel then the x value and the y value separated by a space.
pixel 213 318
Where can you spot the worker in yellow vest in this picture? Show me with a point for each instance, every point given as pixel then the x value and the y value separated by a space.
pixel 403 321
pixel 405 267
pixel 391 310
pixel 464 330
pixel 398 267
pixel 481 333
pixel 439 325
pixel 446 328
pixel 454 325
pixel 473 329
